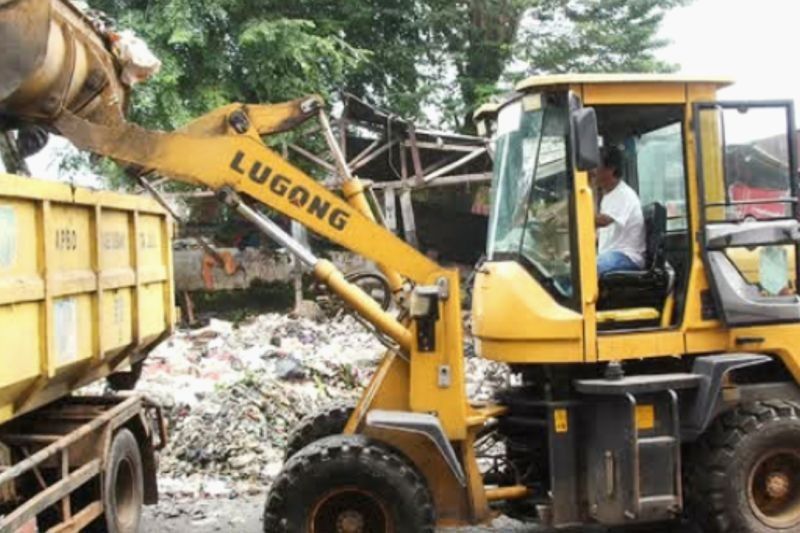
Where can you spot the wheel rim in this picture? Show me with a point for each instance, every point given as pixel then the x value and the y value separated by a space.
pixel 774 489
pixel 125 498
pixel 349 510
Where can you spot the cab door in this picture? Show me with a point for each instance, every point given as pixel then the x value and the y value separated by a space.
pixel 747 172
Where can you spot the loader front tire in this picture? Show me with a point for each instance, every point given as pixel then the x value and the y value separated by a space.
pixel 326 422
pixel 349 483
pixel 745 471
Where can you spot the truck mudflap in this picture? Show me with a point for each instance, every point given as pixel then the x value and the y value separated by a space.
pixel 57 451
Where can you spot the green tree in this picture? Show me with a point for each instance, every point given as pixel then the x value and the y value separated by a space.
pixel 396 34
pixel 492 43
pixel 593 36
pixel 410 56
pixel 477 43
pixel 220 51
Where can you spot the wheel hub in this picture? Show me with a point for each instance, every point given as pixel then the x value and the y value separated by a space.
pixel 350 521
pixel 778 485
pixel 774 489
pixel 349 510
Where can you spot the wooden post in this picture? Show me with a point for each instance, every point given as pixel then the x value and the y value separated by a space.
pixel 390 209
pixel 406 209
pixel 409 226
pixel 415 159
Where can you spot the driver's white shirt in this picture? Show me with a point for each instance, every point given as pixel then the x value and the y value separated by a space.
pixel 626 234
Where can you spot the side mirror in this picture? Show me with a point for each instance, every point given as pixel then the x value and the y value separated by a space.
pixel 584 131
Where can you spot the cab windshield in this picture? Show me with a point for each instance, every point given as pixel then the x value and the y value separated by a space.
pixel 530 218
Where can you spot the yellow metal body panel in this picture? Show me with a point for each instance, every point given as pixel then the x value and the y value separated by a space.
pixel 645 417
pixel 627 315
pixel 539 330
pixel 517 321
pixel 222 158
pixel 85 287
pixel 556 80
pixel 584 213
pixel 634 93
pixel 634 345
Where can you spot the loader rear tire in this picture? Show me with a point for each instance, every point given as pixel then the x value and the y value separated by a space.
pixel 328 421
pixel 349 483
pixel 744 473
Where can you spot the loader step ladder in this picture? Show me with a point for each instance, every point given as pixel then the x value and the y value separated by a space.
pixel 633 451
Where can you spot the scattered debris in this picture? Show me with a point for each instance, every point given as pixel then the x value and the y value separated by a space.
pixel 232 392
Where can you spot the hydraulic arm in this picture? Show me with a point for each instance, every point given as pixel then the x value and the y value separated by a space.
pixel 60 72
pixel 62 58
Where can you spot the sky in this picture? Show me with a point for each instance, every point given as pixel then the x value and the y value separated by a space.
pixel 755 42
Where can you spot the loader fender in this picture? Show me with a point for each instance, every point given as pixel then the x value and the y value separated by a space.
pixel 422 424
pixel 708 402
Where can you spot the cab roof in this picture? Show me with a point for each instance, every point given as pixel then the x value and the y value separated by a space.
pixel 570 79
pixel 489 109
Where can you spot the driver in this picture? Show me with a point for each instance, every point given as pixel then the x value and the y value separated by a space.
pixel 620 223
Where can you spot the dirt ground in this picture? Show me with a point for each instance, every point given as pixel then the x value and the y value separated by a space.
pixel 243 515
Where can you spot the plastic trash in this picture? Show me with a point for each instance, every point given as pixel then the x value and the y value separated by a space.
pixel 138 62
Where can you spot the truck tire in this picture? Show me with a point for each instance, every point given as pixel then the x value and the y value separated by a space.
pixel 326 422
pixel 123 493
pixel 126 380
pixel 349 483
pixel 744 473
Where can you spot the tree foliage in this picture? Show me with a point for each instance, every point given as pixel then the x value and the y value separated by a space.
pixel 412 56
pixel 220 51
pixel 593 36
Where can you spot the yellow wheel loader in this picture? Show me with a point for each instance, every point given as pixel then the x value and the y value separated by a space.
pixel 639 396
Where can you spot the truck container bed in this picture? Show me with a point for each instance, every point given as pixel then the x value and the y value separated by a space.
pixel 85 287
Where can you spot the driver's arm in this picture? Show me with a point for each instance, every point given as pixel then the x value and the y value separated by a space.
pixel 602 220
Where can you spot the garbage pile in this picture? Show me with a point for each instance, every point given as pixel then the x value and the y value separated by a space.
pixel 232 393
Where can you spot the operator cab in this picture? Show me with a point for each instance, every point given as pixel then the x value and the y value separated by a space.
pixel 717 188
pixel 651 142
pixel 532 155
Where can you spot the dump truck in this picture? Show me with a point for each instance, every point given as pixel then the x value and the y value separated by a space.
pixel 640 397
pixel 85 293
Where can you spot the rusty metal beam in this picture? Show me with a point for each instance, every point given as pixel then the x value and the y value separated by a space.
pixel 48 497
pixel 364 152
pixel 445 181
pixel 69 439
pixel 79 520
pixel 190 194
pixel 454 165
pixel 443 146
pixel 374 154
pixel 312 157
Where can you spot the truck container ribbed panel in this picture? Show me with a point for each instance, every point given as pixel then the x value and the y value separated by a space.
pixel 85 287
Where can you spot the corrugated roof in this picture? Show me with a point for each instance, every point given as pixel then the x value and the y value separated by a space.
pixel 567 79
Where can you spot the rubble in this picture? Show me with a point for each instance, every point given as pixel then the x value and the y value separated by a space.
pixel 232 392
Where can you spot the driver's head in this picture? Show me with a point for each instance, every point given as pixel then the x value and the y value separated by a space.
pixel 610 170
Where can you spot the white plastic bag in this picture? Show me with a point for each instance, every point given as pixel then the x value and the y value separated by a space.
pixel 137 61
